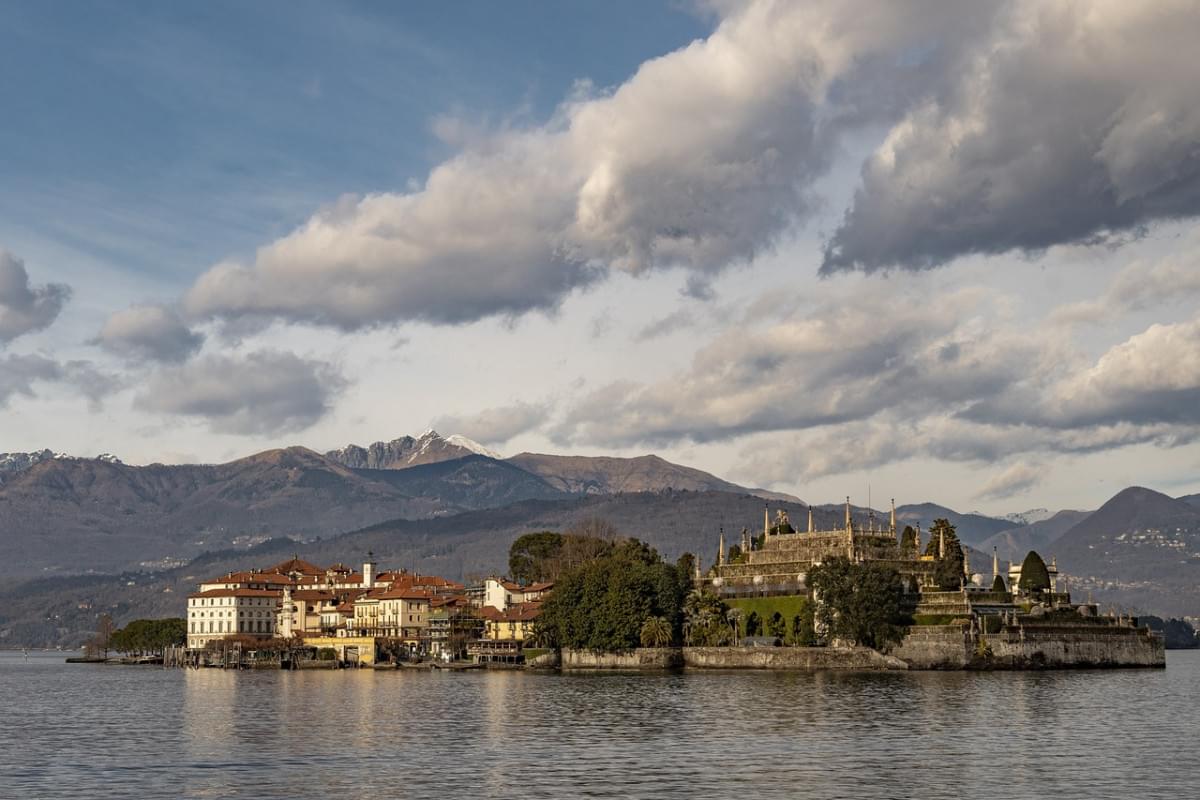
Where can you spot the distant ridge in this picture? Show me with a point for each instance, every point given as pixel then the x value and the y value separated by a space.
pixel 972 529
pixel 1014 543
pixel 610 475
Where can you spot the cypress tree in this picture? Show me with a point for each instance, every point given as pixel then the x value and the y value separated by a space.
pixel 1035 578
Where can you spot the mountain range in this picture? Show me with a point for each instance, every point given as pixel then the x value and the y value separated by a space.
pixel 438 504
pixel 64 515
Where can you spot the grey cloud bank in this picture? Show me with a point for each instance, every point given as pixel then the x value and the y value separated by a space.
pixel 260 393
pixel 1069 122
pixel 25 308
pixel 153 333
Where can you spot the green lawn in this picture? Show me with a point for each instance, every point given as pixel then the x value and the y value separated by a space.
pixel 788 606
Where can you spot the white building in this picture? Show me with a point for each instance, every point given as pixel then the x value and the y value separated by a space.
pixel 501 594
pixel 228 613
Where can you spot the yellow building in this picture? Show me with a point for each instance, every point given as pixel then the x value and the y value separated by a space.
pixel 513 624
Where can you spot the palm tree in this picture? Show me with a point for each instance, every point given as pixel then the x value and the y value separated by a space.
pixel 656 632
pixel 707 623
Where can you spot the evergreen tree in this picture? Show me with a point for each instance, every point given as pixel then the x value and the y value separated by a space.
pixel 804 633
pixel 603 603
pixel 1035 578
pixel 949 572
pixel 858 602
pixel 998 584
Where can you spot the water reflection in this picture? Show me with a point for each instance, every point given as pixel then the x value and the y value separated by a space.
pixel 119 732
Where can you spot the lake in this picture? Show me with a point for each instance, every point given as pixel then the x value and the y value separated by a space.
pixel 88 731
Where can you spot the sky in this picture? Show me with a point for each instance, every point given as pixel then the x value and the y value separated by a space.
pixel 939 251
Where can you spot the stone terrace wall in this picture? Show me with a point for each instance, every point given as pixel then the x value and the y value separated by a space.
pixel 1030 647
pixel 936 647
pixel 641 658
pixel 1079 647
pixel 808 658
pixel 850 658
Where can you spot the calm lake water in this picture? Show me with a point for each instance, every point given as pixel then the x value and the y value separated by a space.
pixel 75 730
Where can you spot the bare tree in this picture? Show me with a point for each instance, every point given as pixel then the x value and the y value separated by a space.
pixel 100 643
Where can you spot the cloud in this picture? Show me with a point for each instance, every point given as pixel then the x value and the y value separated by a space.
pixel 264 392
pixel 1141 286
pixel 894 438
pixel 700 160
pixel 821 361
pixel 874 373
pixel 1070 122
pixel 1017 479
pixel 92 382
pixel 149 333
pixel 1151 377
pixel 496 425
pixel 25 308
pixel 18 374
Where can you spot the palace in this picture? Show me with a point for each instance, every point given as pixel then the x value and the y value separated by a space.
pixel 778 561
pixel 979 623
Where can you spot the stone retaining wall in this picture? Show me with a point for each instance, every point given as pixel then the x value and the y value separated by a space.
pixel 936 647
pixel 1083 648
pixel 1030 647
pixel 850 658
pixel 641 658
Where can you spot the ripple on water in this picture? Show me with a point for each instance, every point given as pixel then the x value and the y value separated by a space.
pixel 98 732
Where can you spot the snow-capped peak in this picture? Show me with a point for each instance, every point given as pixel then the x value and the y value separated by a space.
pixel 472 445
pixel 1029 517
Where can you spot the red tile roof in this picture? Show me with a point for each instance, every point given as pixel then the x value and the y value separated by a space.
pixel 314 594
pixel 521 612
pixel 295 564
pixel 238 593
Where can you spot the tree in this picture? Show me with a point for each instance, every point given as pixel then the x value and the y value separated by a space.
pixel 753 624
pixel 908 539
pixel 804 633
pixel 998 584
pixel 776 626
pixel 948 573
pixel 858 602
pixel 149 636
pixel 706 620
pixel 101 641
pixel 686 564
pixel 735 554
pixel 545 555
pixel 530 556
pixel 602 603
pixel 1035 578
pixel 656 632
